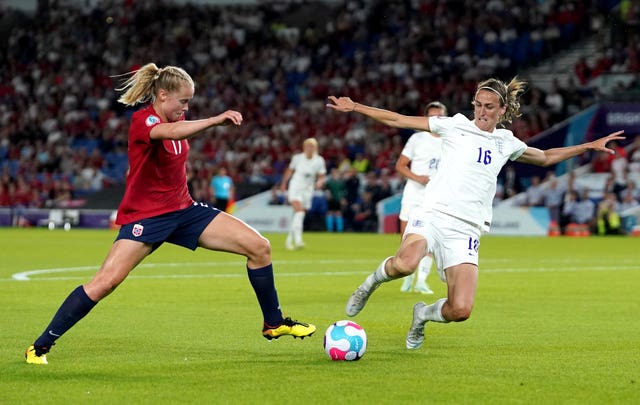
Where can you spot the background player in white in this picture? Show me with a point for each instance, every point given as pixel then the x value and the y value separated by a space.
pixel 307 172
pixel 419 161
pixel 457 200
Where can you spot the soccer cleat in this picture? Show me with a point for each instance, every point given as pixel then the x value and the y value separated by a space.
pixel 288 327
pixel 358 300
pixel 288 244
pixel 33 358
pixel 423 288
pixel 415 337
pixel 407 283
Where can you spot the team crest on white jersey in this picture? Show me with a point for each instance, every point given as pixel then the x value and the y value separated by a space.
pixel 137 230
pixel 499 145
pixel 417 223
pixel 151 120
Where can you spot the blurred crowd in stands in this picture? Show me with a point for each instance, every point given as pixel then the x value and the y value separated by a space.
pixel 63 136
pixel 602 203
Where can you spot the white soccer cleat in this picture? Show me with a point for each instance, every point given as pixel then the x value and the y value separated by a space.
pixel 407 283
pixel 423 288
pixel 288 244
pixel 358 300
pixel 415 337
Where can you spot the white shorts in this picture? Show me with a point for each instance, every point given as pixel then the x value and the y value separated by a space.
pixel 304 196
pixel 406 206
pixel 451 240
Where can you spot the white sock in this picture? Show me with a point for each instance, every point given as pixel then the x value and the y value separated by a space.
pixel 378 277
pixel 433 312
pixel 423 268
pixel 297 224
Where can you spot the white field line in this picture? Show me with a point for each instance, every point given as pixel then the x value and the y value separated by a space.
pixel 560 266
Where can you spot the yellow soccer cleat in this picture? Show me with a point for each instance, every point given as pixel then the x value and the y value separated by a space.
pixel 33 358
pixel 288 327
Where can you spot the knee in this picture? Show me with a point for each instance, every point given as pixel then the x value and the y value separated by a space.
pixel 460 312
pixel 260 250
pixel 405 266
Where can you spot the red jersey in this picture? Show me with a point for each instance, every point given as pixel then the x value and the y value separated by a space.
pixel 157 179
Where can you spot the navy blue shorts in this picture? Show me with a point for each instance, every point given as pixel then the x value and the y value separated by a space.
pixel 182 227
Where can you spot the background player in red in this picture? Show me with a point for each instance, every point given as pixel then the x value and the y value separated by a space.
pixel 157 207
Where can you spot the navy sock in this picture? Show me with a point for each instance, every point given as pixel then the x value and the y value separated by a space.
pixel 262 282
pixel 74 308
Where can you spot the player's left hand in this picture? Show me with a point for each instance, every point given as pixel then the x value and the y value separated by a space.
pixel 601 144
pixel 343 104
pixel 229 117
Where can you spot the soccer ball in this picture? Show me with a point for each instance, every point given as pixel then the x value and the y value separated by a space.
pixel 345 340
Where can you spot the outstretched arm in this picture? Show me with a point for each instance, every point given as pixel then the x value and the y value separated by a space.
pixel 187 129
pixel 390 118
pixel 550 157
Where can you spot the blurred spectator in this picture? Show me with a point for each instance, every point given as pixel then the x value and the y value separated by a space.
pixel 601 163
pixel 535 193
pixel 608 219
pixel 553 196
pixel 629 219
pixel 365 218
pixel 222 189
pixel 579 210
pixel 335 192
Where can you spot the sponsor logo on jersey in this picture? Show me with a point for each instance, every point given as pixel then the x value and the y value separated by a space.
pixel 151 120
pixel 417 223
pixel 137 230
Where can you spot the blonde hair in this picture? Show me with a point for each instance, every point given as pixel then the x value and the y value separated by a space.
pixel 142 84
pixel 509 95
pixel 311 141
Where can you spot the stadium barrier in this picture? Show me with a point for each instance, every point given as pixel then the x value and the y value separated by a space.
pixel 53 218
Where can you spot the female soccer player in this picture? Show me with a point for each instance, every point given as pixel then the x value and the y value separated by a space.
pixel 456 205
pixel 307 172
pixel 157 207
pixel 418 161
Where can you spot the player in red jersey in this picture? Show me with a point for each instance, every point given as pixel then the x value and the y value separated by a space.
pixel 157 207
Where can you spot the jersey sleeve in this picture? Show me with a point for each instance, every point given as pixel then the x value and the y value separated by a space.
pixel 440 125
pixel 322 169
pixel 517 148
pixel 294 162
pixel 409 148
pixel 141 124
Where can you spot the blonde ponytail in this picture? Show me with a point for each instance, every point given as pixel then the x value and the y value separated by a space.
pixel 142 84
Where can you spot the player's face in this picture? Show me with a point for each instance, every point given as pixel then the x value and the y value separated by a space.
pixel 309 150
pixel 174 104
pixel 487 110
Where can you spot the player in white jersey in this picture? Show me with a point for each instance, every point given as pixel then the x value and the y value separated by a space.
pixel 418 162
pixel 307 172
pixel 457 201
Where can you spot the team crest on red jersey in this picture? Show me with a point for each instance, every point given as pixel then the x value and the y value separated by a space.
pixel 151 120
pixel 137 230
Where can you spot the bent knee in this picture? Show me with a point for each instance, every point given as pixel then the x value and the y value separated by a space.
pixel 460 312
pixel 404 265
pixel 260 249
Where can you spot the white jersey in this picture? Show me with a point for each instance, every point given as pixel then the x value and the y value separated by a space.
pixel 423 150
pixel 465 183
pixel 305 171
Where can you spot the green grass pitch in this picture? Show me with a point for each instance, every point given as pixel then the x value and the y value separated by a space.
pixel 556 320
